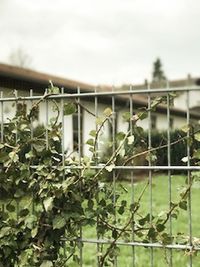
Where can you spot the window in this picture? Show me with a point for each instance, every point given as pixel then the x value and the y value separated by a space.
pixel 112 126
pixel 76 130
pixel 153 122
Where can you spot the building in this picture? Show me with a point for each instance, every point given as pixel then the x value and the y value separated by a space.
pixel 23 80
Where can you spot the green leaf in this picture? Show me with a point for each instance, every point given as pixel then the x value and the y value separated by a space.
pixel 183 205
pixel 23 212
pixel 90 142
pixel 13 156
pixel 39 147
pixel 124 202
pixel 30 221
pixel 19 193
pixel 46 263
pixel 24 257
pixel 184 159
pixel 152 233
pixel 145 219
pixel 110 167
pixel 58 222
pixel 142 115
pixel 196 154
pixel 126 116
pixel 156 102
pixel 134 206
pixel 55 138
pixel 53 89
pixel 29 155
pixel 160 227
pixel 10 207
pixel 67 183
pixel 5 231
pixel 185 128
pixel 34 232
pixel 69 109
pixel 99 121
pixel 120 136
pixel 114 234
pixel 24 127
pixel 167 239
pixel 197 137
pixel 93 133
pixel 107 112
pixel 48 203
pixel 121 210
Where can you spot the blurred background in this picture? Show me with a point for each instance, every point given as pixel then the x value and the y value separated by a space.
pixel 102 42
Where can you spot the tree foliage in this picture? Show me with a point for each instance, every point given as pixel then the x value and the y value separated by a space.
pixel 158 73
pixel 20 58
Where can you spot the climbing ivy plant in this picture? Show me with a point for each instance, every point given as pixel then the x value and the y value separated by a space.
pixel 47 197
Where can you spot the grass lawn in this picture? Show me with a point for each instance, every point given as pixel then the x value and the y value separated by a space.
pixel 160 195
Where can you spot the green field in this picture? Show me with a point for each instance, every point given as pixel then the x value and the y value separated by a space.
pixel 160 193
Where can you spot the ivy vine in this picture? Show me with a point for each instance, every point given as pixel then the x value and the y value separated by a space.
pixel 47 197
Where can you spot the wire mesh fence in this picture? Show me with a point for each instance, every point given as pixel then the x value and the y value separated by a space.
pixel 130 182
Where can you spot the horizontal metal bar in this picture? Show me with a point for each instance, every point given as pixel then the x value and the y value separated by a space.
pixel 138 244
pixel 185 168
pixel 111 93
pixel 197 168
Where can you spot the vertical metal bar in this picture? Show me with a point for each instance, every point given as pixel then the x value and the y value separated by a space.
pixel 16 137
pixel 2 131
pixel 132 175
pixel 96 163
pixel 79 158
pixel 150 172
pixel 63 154
pixel 47 120
pixel 114 148
pixel 2 119
pixel 189 179
pixel 31 127
pixel 63 131
pixel 16 101
pixel 169 171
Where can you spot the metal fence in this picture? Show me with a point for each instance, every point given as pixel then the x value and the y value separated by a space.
pixel 134 247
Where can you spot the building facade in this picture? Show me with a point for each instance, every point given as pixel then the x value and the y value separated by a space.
pixel 17 82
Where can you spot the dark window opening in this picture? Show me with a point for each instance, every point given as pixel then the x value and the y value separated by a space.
pixel 77 131
pixel 171 123
pixel 112 126
pixel 153 122
pixel 197 82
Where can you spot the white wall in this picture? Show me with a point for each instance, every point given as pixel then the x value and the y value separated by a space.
pixel 89 121
pixel 181 100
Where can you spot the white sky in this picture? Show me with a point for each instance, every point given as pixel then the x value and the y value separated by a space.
pixel 103 41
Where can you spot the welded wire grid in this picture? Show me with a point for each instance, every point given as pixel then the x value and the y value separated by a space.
pixel 95 98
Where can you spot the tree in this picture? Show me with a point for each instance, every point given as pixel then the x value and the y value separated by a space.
pixel 158 74
pixel 20 58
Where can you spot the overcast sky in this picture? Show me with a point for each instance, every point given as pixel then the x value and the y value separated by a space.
pixel 103 41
